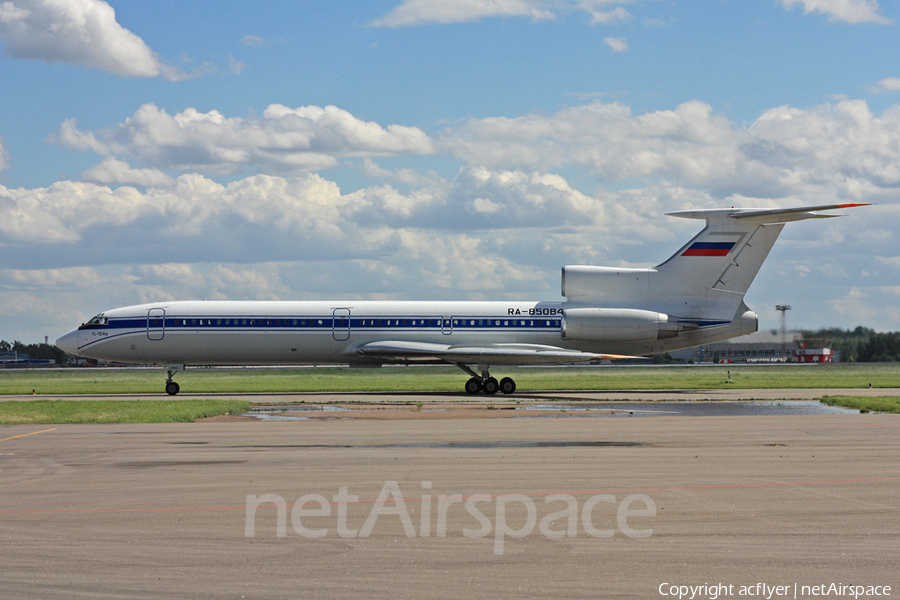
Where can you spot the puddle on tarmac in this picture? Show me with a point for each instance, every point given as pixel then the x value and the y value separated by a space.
pixel 279 413
pixel 460 445
pixel 752 408
pixel 515 444
pixel 299 408
pixel 598 409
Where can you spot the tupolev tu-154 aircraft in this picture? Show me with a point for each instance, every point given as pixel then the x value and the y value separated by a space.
pixel 695 297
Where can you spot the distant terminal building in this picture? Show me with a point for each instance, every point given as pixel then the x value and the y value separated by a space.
pixel 761 347
pixel 814 355
pixel 8 356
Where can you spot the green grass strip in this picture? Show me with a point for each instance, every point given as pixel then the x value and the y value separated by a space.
pixel 115 411
pixel 885 404
pixel 443 379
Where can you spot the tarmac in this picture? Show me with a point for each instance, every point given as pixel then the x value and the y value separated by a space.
pixel 551 507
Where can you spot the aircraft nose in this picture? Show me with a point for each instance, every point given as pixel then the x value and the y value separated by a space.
pixel 69 342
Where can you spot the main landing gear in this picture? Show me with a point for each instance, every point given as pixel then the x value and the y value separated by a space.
pixel 172 388
pixel 486 383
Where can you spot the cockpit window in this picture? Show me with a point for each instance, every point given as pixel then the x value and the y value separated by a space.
pixel 98 321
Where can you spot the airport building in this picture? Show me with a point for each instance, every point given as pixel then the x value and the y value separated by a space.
pixel 761 347
pixel 814 355
pixel 9 356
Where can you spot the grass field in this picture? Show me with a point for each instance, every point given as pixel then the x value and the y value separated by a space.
pixel 886 404
pixel 416 379
pixel 442 379
pixel 101 411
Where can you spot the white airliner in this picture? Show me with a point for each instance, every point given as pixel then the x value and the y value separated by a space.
pixel 693 298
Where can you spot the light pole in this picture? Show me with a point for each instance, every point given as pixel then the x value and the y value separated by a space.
pixel 783 308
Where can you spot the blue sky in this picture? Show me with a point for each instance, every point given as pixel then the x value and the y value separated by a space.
pixel 425 149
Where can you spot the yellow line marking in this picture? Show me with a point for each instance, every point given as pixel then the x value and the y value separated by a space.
pixel 27 434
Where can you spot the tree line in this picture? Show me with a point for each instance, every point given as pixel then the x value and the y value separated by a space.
pixel 36 351
pixel 857 345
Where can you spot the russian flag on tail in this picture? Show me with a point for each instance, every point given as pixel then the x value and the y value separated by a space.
pixel 709 249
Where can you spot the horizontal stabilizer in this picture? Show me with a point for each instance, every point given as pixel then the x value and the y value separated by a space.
pixel 495 354
pixel 764 215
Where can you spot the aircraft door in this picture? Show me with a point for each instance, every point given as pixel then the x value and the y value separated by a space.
pixel 447 325
pixel 340 324
pixel 156 323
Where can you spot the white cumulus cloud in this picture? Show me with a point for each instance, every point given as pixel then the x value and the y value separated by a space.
pixel 411 13
pixel 617 44
pixel 886 86
pixel 422 12
pixel 839 151
pixel 847 11
pixel 487 233
pixel 604 12
pixel 114 171
pixel 281 140
pixel 77 32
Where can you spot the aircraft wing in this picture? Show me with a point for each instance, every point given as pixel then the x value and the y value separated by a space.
pixel 494 354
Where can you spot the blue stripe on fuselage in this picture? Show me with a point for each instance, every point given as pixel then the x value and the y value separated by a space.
pixel 327 323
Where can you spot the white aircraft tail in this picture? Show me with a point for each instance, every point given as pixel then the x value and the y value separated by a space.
pixel 704 282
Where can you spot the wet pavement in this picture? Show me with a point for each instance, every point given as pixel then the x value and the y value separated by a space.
pixel 749 408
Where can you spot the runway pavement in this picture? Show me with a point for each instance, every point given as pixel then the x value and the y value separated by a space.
pixel 484 508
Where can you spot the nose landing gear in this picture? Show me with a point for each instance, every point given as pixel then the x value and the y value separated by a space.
pixel 172 388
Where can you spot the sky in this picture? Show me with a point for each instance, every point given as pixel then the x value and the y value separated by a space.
pixel 437 149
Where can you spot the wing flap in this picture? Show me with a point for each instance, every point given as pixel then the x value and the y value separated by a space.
pixel 495 354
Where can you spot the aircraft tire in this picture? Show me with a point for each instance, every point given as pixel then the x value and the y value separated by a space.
pixel 507 385
pixel 172 388
pixel 473 386
pixel 490 386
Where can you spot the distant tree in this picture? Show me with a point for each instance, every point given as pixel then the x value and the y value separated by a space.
pixel 846 341
pixel 880 347
pixel 36 351
pixel 46 352
pixel 860 344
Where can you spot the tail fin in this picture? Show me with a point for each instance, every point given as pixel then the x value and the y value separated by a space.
pixel 705 281
pixel 709 275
